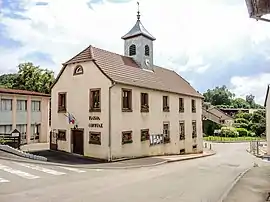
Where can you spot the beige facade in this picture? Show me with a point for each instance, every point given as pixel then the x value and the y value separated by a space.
pixel 124 105
pixel 27 112
pixel 114 121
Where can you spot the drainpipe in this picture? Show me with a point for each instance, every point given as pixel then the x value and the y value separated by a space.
pixel 110 123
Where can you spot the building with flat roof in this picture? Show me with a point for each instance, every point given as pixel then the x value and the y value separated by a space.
pixel 26 111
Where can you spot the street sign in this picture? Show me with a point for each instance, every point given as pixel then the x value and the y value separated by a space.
pixel 15 133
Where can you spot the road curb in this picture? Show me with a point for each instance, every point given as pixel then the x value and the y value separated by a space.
pixel 82 167
pixel 236 180
pixel 190 158
pixel 101 167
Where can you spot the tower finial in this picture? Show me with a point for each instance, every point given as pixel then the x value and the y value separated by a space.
pixel 138 15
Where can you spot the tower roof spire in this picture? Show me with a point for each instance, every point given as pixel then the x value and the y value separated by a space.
pixel 138 29
pixel 138 12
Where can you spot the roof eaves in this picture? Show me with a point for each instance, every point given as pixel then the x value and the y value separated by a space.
pixel 69 62
pixel 23 92
pixel 224 113
pixel 155 89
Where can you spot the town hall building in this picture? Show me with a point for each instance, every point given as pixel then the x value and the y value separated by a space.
pixel 110 106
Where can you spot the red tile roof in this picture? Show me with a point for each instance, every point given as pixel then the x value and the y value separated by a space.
pixel 124 70
pixel 22 92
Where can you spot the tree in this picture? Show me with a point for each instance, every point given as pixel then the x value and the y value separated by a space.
pixel 254 122
pixel 223 98
pixel 33 78
pixel 219 96
pixel 250 100
pixel 7 80
pixel 240 103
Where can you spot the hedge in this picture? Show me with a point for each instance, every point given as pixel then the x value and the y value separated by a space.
pixel 242 132
pixel 229 132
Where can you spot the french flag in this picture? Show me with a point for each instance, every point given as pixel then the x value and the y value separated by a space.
pixel 71 118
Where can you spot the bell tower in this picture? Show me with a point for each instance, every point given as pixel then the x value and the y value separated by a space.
pixel 139 44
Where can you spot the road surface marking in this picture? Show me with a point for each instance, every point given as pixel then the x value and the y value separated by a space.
pixel 45 170
pixel 3 180
pixel 73 169
pixel 18 172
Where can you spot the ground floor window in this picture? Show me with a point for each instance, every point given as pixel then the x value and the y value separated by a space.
pixel 22 128
pixel 127 137
pixel 166 132
pixel 182 151
pixel 182 130
pixel 5 129
pixel 144 134
pixel 194 130
pixel 62 135
pixel 35 132
pixel 194 148
pixel 95 138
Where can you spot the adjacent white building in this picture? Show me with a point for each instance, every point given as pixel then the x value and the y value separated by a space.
pixel 26 111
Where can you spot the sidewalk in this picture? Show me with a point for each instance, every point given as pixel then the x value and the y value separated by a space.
pixel 252 187
pixel 124 164
pixel 35 147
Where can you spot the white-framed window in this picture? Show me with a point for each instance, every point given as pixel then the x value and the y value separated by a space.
pixel 21 105
pixel 5 129
pixel 35 105
pixel 22 128
pixel 6 104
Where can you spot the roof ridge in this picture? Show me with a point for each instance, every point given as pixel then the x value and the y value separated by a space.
pixel 79 54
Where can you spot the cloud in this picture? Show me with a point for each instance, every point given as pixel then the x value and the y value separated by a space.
pixel 256 85
pixel 208 42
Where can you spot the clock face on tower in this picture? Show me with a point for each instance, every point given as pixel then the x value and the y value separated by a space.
pixel 147 62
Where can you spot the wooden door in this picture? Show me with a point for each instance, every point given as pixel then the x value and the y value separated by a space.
pixel 77 136
pixel 53 140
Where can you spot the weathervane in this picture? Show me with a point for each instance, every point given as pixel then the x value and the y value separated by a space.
pixel 138 15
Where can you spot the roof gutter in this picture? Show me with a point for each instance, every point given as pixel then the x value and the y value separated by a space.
pixel 110 123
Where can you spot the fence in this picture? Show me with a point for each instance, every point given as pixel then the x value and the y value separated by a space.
pixel 258 148
pixel 8 139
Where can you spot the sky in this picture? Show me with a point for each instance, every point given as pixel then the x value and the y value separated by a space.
pixel 208 42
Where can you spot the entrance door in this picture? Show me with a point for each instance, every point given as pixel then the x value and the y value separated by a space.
pixel 77 137
pixel 53 140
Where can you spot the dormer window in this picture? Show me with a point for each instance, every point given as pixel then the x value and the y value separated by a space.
pixel 132 50
pixel 146 50
pixel 78 70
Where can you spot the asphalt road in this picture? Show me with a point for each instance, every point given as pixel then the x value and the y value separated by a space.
pixel 199 180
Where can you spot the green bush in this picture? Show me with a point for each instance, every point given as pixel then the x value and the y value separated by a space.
pixel 209 127
pixel 258 128
pixel 240 125
pixel 229 132
pixel 242 132
pixel 243 125
pixel 251 134
pixel 241 120
pixel 244 115
pixel 236 125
